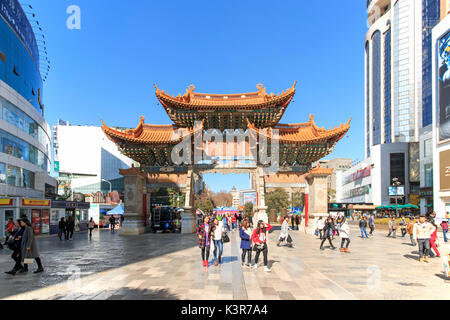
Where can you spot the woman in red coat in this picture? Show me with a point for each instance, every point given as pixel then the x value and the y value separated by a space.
pixel 433 240
pixel 259 238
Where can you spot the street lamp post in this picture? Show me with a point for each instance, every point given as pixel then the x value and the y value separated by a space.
pixel 396 183
pixel 110 184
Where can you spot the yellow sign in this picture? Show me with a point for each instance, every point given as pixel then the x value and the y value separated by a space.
pixel 36 203
pixel 6 202
pixel 414 199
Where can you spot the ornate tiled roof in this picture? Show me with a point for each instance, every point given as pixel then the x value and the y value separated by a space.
pixel 320 171
pixel 307 132
pixel 243 101
pixel 146 133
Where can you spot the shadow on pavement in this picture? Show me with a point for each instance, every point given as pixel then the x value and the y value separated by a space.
pixel 126 294
pixel 84 256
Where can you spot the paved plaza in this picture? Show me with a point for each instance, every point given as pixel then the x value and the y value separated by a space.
pixel 168 266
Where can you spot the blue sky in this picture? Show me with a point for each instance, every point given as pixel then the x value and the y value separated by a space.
pixel 107 69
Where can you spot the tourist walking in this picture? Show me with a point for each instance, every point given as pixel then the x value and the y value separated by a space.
pixel 298 221
pixel 91 226
pixel 392 224
pixel 422 235
pixel 363 227
pixel 15 244
pixel 62 229
pixel 233 221
pixel 292 221
pixel 433 239
pixel 112 223
pixel 344 233
pixel 246 242
pixel 218 241
pixel 328 231
pixel 29 247
pixel 444 226
pixel 320 226
pixel 259 239
pixel 204 239
pixel 284 234
pixel 70 227
pixel 403 224
pixel 371 224
pixel 410 231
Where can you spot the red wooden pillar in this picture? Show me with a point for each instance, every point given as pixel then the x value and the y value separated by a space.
pixel 306 209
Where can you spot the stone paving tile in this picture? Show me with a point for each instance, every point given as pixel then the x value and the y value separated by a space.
pixel 169 267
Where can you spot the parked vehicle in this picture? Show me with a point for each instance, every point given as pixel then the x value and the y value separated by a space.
pixel 165 219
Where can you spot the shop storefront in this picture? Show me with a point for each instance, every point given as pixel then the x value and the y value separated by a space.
pixel 36 210
pixel 65 209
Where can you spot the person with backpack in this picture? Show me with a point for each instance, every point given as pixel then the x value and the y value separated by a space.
pixel 363 227
pixel 259 239
pixel 246 242
pixel 112 223
pixel 344 233
pixel 328 231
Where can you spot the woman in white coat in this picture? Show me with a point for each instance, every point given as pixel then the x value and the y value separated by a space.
pixel 284 235
pixel 344 233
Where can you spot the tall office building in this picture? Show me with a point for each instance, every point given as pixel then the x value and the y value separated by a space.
pixel 398 88
pixel 24 134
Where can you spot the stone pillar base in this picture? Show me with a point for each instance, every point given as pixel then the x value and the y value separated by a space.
pixel 260 214
pixel 188 223
pixel 132 225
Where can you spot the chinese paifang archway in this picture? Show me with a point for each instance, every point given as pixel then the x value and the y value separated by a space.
pixel 249 115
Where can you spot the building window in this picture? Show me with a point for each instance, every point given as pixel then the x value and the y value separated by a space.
pixel 376 87
pixel 428 175
pixel 427 148
pixel 397 161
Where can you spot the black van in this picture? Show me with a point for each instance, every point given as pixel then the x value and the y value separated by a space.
pixel 165 218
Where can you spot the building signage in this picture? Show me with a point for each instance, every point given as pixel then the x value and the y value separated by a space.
pixel 12 12
pixel 365 172
pixel 444 170
pixel 444 87
pixel 6 202
pixel 35 203
pixel 397 191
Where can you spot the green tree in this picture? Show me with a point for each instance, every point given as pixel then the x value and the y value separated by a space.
pixel 248 209
pixel 173 194
pixel 277 200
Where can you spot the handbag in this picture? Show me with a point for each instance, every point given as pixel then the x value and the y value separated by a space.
pixel 28 258
pixel 225 238
pixel 316 233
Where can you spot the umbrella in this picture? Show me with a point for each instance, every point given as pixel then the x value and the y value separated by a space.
pixel 408 206
pixel 116 211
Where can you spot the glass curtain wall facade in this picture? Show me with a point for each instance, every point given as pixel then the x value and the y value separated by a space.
pixel 368 98
pixel 387 87
pixel 430 18
pixel 404 106
pixel 376 88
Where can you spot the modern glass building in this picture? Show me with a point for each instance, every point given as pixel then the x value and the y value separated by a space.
pixel 398 71
pixel 24 133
